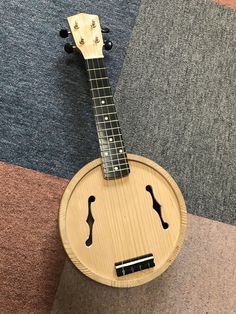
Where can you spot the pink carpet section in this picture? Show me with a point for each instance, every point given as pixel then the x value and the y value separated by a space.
pixel 31 254
pixel 228 3
pixel 202 280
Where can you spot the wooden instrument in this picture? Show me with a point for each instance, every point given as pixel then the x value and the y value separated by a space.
pixel 122 217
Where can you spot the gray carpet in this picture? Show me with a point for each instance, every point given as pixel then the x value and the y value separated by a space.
pixel 47 122
pixel 176 99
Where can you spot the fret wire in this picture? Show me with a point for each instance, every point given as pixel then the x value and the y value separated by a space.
pixel 118 163
pixel 122 164
pixel 111 152
pixel 103 155
pixel 107 142
pixel 124 153
pixel 107 129
pixel 103 151
pixel 108 136
pixel 102 97
pixel 96 69
pixel 110 142
pixel 104 106
pixel 99 83
pixel 114 174
pixel 104 114
pixel 112 168
pixel 100 92
pixel 107 121
pixel 95 75
pixel 102 138
pixel 118 147
pixel 102 128
pixel 108 111
pixel 100 88
pixel 116 170
pixel 99 78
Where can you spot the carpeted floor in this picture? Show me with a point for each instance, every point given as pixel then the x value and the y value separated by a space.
pixel 46 115
pixel 172 69
pixel 178 83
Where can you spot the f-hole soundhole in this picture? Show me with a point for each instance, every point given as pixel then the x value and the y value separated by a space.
pixel 90 221
pixel 157 207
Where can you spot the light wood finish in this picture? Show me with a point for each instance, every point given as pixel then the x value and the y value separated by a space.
pixel 125 223
pixel 86 31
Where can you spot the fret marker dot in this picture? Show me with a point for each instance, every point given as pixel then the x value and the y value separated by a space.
pixel 120 151
pixel 103 102
pixel 106 153
pixel 106 118
pixel 116 168
pixel 110 139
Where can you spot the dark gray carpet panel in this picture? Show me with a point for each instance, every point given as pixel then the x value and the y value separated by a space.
pixel 46 120
pixel 176 99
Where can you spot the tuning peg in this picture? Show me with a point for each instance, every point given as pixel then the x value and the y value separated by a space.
pixel 108 44
pixel 69 48
pixel 105 29
pixel 64 33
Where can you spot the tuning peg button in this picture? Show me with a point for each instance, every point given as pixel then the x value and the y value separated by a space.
pixel 105 30
pixel 108 44
pixel 64 33
pixel 69 48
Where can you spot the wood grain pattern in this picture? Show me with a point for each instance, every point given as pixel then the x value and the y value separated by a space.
pixel 86 31
pixel 126 225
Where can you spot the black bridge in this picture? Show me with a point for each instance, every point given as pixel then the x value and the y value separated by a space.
pixel 134 264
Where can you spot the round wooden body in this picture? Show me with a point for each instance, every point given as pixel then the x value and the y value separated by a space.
pixel 103 222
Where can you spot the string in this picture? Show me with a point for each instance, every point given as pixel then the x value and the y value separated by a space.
pixel 131 229
pixel 101 130
pixel 110 146
pixel 114 147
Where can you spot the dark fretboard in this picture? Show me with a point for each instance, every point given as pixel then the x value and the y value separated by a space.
pixel 115 162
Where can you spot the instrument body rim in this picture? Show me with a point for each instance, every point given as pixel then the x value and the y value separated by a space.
pixel 148 276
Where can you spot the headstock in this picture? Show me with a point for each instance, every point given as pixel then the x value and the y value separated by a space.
pixel 87 35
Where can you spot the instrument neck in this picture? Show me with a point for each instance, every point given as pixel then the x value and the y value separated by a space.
pixel 112 148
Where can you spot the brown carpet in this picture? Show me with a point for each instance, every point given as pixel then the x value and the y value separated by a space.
pixel 31 254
